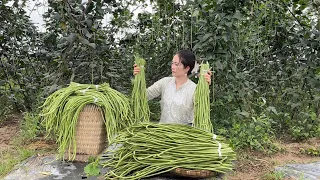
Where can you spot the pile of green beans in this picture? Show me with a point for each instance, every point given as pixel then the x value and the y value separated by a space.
pixel 139 100
pixel 202 102
pixel 149 149
pixel 61 110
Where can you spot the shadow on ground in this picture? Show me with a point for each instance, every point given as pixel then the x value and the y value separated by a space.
pixel 48 168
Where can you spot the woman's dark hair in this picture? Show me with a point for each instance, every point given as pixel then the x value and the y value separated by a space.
pixel 187 58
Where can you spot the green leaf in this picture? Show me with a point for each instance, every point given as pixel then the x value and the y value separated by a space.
pixel 195 13
pixel 243 113
pixel 83 40
pixel 108 10
pixel 225 38
pixel 86 33
pixel 89 23
pixel 93 65
pixel 229 24
pixel 86 42
pixel 92 169
pixel 294 105
pixel 258 128
pixel 205 37
pixel 219 65
pixel 237 15
pixel 272 109
pixel 56 16
pixel 93 45
pixel 71 38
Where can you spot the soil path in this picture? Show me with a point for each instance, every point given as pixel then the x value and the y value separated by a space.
pixel 8 129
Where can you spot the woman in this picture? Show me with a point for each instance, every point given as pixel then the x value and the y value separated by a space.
pixel 177 92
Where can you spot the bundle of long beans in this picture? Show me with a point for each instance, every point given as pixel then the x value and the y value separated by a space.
pixel 202 102
pixel 61 110
pixel 139 101
pixel 150 149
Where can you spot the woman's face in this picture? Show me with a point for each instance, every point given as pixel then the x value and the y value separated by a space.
pixel 177 68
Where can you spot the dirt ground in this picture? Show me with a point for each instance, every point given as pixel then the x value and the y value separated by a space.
pixel 9 129
pixel 251 165
pixel 254 166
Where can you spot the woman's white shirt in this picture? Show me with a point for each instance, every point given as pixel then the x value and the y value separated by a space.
pixel 176 104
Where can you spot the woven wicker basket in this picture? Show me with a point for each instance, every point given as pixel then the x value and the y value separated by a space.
pixel 193 173
pixel 91 136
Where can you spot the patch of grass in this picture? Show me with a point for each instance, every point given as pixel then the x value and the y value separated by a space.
pixel 278 175
pixel 30 129
pixel 10 158
pixel 311 151
pixel 29 126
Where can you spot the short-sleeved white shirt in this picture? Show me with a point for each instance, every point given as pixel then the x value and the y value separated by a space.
pixel 176 104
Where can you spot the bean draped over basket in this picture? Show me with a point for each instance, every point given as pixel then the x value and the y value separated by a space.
pixel 61 110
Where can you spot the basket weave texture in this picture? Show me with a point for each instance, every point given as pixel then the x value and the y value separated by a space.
pixel 91 134
pixel 193 173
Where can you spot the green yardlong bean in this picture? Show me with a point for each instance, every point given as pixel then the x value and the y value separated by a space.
pixel 148 149
pixel 139 101
pixel 61 110
pixel 202 102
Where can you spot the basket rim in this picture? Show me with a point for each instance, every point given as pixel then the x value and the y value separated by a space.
pixel 193 173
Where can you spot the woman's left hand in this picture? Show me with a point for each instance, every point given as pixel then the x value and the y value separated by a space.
pixel 207 76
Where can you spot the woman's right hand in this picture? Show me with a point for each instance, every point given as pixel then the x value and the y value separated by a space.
pixel 136 69
pixel 207 77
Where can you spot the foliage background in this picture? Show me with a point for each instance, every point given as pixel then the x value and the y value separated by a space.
pixel 264 54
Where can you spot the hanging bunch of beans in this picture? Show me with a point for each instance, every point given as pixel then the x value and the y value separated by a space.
pixel 139 101
pixel 202 102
